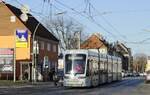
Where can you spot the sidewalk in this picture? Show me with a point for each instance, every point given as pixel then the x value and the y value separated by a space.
pixel 21 84
pixel 42 83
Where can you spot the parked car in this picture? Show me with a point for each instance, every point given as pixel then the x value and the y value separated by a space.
pixel 123 74
pixel 147 77
pixel 136 74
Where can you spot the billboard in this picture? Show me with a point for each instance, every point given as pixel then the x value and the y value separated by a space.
pixel 6 60
pixel 22 38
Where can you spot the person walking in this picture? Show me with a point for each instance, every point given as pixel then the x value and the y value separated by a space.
pixel 55 79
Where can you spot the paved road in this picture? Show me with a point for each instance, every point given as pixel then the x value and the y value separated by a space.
pixel 128 86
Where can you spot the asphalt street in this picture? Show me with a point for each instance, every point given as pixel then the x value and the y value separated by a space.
pixel 128 86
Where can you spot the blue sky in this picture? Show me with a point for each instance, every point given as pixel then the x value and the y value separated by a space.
pixel 126 19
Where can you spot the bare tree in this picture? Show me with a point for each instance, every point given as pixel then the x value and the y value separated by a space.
pixel 67 31
pixel 140 61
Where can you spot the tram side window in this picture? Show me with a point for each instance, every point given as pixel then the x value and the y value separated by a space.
pixel 87 70
pixel 68 65
pixel 102 65
pixel 105 66
pixel 109 66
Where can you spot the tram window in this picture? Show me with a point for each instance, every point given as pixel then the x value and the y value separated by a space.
pixel 87 69
pixel 105 65
pixel 102 65
pixel 75 62
pixel 68 65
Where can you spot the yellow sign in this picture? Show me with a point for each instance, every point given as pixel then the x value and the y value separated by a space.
pixel 22 38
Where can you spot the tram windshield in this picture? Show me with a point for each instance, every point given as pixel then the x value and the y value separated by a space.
pixel 75 63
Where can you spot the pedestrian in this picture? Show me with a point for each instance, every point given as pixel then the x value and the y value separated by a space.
pixel 25 76
pixel 56 79
pixel 50 76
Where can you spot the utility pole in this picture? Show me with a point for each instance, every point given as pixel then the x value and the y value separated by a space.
pixel 79 39
pixel 34 54
pixel 24 17
pixel 14 56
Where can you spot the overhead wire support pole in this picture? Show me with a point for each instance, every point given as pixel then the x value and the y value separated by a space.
pixel 25 9
pixel 14 79
pixel 106 21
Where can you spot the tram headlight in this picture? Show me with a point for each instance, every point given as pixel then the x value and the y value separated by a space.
pixel 82 77
pixel 66 77
pixel 72 74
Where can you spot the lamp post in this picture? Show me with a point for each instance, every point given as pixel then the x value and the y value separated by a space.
pixel 34 54
pixel 14 56
pixel 24 18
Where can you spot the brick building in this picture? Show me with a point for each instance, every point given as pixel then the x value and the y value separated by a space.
pixel 125 53
pixel 95 42
pixel 10 22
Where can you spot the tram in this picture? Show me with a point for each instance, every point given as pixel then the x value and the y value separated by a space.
pixel 147 70
pixel 88 68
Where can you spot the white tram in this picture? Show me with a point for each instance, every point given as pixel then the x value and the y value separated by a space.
pixel 147 70
pixel 86 68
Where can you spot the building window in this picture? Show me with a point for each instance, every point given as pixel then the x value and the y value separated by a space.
pixel 48 46
pixel 42 44
pixel 52 65
pixel 54 48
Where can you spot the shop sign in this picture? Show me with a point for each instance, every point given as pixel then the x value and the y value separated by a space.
pixel 6 60
pixel 7 68
pixel 6 52
pixel 22 38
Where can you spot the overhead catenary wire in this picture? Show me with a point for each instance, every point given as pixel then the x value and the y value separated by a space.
pixel 77 13
pixel 87 17
pixel 68 15
pixel 137 43
pixel 72 17
pixel 125 11
pixel 32 11
pixel 86 5
pixel 51 10
pixel 40 14
pixel 90 7
pixel 107 22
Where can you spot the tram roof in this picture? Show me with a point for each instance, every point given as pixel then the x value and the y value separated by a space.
pixel 76 51
pixel 90 52
pixel 85 51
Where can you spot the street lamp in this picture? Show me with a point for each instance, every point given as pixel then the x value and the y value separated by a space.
pixel 24 18
pixel 34 53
